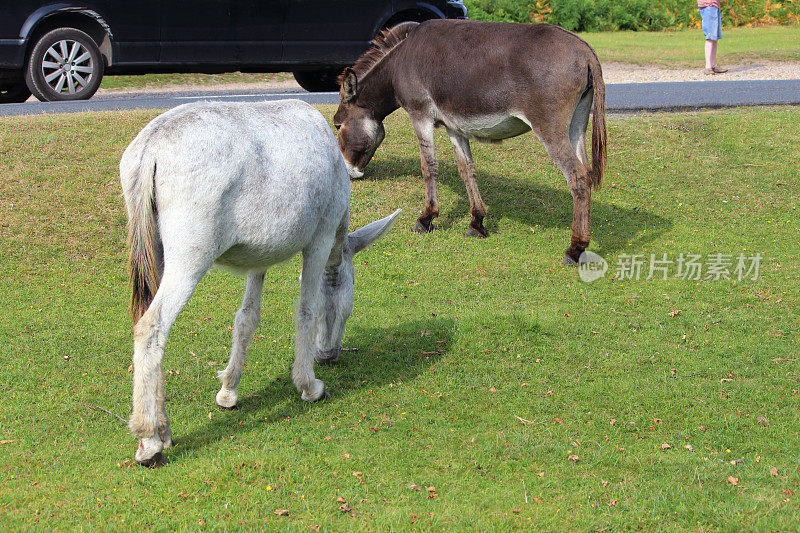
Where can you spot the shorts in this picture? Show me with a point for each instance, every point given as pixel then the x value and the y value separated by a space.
pixel 712 23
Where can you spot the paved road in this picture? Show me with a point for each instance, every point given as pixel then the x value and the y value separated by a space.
pixel 623 97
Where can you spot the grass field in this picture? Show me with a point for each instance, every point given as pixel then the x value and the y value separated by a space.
pixel 684 48
pixel 525 397
pixel 668 48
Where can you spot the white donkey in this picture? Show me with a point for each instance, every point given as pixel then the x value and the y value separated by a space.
pixel 243 186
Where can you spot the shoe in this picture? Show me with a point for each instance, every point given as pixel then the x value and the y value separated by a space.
pixel 708 71
pixel 719 70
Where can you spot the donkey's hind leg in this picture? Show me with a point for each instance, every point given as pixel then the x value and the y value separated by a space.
pixel 578 125
pixel 575 171
pixel 148 419
pixel 244 325
pixel 466 169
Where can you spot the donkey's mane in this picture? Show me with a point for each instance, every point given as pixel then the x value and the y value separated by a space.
pixel 381 45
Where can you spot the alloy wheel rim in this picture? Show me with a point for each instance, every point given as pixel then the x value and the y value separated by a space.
pixel 67 67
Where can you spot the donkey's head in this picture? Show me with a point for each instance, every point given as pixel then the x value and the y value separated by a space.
pixel 337 289
pixel 360 133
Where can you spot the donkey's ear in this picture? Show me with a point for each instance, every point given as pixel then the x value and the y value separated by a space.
pixel 363 237
pixel 349 85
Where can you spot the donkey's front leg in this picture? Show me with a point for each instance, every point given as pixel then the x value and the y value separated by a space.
pixel 430 166
pixel 466 169
pixel 244 325
pixel 305 339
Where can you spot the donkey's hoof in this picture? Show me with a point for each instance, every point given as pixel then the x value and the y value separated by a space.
pixel 329 357
pixel 419 227
pixel 227 398
pixel 480 233
pixel 231 408
pixel 153 462
pixel 166 437
pixel 324 396
pixel 568 261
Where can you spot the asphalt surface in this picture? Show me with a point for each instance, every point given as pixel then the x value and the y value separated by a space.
pixel 620 98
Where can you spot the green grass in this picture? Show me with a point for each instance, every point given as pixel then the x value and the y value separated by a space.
pixel 456 339
pixel 165 81
pixel 685 47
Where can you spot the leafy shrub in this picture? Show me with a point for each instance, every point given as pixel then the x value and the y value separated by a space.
pixel 635 15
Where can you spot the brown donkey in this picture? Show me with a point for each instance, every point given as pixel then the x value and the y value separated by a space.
pixel 484 81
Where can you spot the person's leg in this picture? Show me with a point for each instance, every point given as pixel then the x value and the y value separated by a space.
pixel 711 54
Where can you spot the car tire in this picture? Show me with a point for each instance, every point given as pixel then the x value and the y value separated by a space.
pixel 14 92
pixel 318 81
pixel 65 64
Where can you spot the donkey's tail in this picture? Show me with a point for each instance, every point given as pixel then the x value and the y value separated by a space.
pixel 598 123
pixel 137 174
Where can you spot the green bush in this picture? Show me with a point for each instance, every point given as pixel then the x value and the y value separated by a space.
pixel 635 15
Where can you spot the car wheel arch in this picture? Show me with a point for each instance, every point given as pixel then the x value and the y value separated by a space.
pixel 43 21
pixel 420 13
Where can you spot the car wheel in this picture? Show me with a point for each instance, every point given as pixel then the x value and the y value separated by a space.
pixel 14 92
pixel 65 64
pixel 317 81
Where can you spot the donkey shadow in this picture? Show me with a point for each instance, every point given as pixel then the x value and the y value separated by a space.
pixel 531 203
pixel 383 356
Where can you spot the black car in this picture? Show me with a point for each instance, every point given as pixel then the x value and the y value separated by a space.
pixel 60 50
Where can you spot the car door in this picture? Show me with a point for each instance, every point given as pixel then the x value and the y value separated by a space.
pixel 135 27
pixel 331 31
pixel 223 32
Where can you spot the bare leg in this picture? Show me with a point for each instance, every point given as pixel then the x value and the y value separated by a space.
pixel 148 420
pixel 466 169
pixel 305 340
pixel 244 325
pixel 430 166
pixel 711 53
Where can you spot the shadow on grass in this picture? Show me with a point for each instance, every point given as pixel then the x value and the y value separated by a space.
pixel 614 227
pixel 384 355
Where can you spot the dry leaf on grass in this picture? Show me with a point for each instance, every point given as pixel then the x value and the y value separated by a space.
pixel 773 471
pixel 414 487
pixel 733 480
pixel 281 512
pixel 573 457
pixel 676 312
pixel 665 446
pixel 340 499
